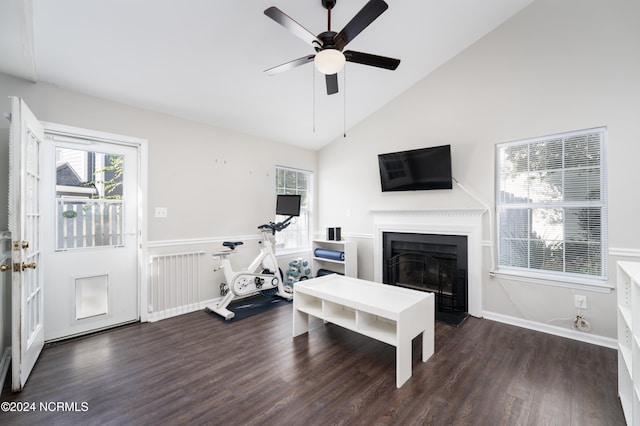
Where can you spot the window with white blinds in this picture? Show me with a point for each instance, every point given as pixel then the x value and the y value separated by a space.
pixel 294 181
pixel 551 200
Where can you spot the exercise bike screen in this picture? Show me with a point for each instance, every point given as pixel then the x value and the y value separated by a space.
pixel 288 205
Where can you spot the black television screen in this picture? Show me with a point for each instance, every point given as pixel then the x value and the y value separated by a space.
pixel 288 205
pixel 416 169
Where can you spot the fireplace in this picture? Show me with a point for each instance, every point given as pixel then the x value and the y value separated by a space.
pixel 466 222
pixel 433 263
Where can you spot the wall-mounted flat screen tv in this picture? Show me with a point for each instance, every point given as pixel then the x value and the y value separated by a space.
pixel 416 169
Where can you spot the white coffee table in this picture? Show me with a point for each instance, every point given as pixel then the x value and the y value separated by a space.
pixel 390 314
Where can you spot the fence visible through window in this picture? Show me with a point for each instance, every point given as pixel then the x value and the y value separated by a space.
pixel 89 199
pixel 89 223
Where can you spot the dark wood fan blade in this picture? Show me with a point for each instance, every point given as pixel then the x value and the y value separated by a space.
pixel 289 23
pixel 366 16
pixel 332 83
pixel 373 60
pixel 289 65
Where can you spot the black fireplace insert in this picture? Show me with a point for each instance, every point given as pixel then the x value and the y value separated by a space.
pixel 430 262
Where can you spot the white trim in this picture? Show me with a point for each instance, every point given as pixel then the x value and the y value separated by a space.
pixel 293 169
pixel 550 329
pixel 462 211
pixel 598 286
pixel 78 134
pixel 220 240
pixel 196 241
pixel 624 252
pixel 143 175
pixel 293 251
pixel 570 134
pixel 186 309
pixel 4 365
pixel 358 236
pixel 181 310
pixel 465 221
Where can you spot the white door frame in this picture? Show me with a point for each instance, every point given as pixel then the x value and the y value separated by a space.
pixel 61 131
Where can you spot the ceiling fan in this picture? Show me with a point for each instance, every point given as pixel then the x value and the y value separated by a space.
pixel 329 57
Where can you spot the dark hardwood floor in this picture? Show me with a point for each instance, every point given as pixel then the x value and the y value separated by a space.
pixel 195 369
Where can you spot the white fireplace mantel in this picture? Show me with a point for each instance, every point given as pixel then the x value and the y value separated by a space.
pixel 463 221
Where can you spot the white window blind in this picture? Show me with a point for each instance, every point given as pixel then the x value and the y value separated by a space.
pixel 294 181
pixel 552 205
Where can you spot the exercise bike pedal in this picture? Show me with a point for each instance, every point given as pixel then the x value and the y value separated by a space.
pixel 224 289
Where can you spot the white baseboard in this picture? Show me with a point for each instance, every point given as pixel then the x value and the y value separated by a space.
pixel 187 309
pixel 550 329
pixel 181 310
pixel 4 365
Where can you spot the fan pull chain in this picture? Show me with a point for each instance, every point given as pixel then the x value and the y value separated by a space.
pixel 344 104
pixel 313 98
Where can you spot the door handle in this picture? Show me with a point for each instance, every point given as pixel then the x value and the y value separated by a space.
pixel 17 245
pixel 28 265
pixel 5 268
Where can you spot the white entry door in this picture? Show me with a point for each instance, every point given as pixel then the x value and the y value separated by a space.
pixel 25 219
pixel 92 235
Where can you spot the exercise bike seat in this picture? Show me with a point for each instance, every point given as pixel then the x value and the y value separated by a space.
pixel 232 244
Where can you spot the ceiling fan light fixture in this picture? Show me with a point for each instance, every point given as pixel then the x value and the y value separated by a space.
pixel 329 61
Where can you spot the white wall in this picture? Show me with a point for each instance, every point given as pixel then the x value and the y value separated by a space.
pixel 554 67
pixel 213 182
pixel 216 184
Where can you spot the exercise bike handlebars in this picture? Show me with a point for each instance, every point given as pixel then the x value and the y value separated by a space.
pixel 276 227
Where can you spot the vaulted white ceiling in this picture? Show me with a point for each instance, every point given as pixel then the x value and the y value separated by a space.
pixel 204 59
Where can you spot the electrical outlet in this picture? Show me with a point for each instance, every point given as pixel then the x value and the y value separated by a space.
pixel 580 301
pixel 161 212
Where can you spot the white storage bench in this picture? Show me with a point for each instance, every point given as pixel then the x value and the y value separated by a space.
pixel 387 313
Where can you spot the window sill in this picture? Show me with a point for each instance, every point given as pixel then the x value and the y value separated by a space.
pixel 281 252
pixel 595 285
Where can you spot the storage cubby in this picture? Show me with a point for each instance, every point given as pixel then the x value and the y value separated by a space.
pixel 628 298
pixel 347 267
pixel 376 327
pixel 309 304
pixel 339 314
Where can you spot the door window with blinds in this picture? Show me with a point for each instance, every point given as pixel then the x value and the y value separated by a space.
pixel 551 202
pixel 294 181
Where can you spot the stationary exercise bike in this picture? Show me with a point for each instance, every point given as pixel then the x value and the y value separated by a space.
pixel 263 274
